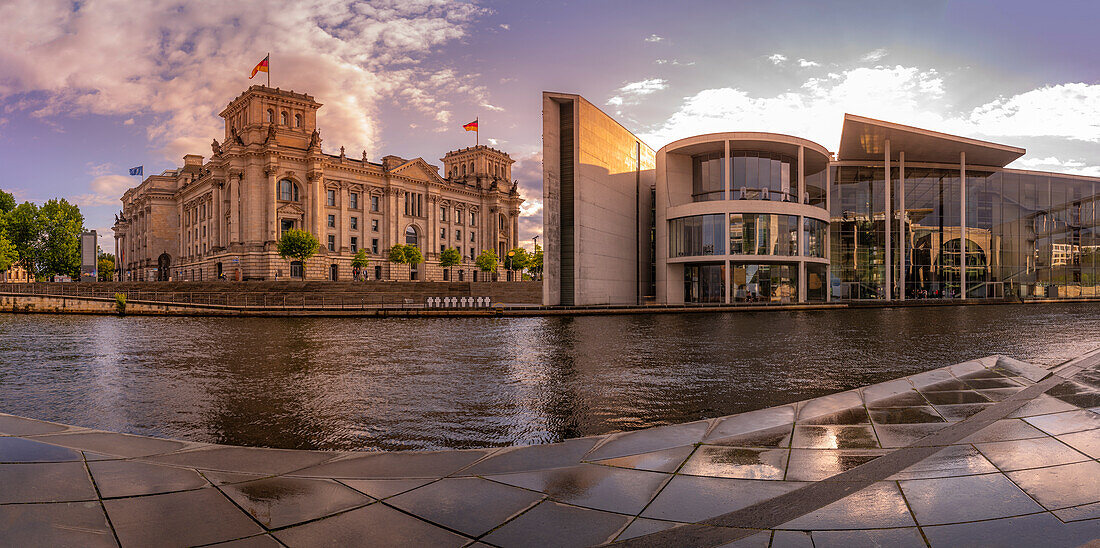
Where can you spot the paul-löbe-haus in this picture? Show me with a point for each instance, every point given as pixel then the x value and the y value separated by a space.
pixel 762 217
pixel 222 218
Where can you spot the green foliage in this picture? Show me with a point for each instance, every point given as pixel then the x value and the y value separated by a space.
pixel 120 303
pixel 298 245
pixel 397 254
pixel 535 267
pixel 517 259
pixel 62 224
pixel 8 254
pixel 360 259
pixel 413 255
pixel 23 229
pixel 450 257
pixel 106 267
pixel 7 202
pixel 486 261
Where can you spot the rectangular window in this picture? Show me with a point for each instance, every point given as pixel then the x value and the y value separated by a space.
pixel 443 213
pixel 374 203
pixel 458 235
pixel 286 224
pixel 331 242
pixel 353 200
pixel 471 237
pixel 354 244
pixel 473 219
pixel 443 234
pixel 332 221
pixel 331 197
pixel 374 225
pixel 355 223
pixel 374 245
pixel 442 248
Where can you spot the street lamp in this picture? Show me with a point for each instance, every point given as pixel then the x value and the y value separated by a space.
pixel 508 261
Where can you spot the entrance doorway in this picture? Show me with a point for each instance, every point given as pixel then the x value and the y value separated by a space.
pixel 333 272
pixel 164 262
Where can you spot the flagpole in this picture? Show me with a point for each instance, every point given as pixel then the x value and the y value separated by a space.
pixel 269 69
pixel 477 132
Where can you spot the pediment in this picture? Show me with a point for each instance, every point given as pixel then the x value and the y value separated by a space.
pixel 418 169
pixel 291 208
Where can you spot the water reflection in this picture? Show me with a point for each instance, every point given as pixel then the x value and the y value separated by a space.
pixel 435 383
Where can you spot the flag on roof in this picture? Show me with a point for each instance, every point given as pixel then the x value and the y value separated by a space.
pixel 139 171
pixel 260 67
pixel 472 126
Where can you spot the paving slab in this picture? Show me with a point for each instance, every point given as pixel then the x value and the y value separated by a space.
pixel 119 445
pixel 186 518
pixel 1033 530
pixel 50 482
pixel 554 524
pixel 1058 487
pixel 592 486
pixel 737 462
pixel 373 525
pixel 280 502
pixel 652 439
pixel 472 506
pixel 966 498
pixel 120 478
pixel 880 505
pixel 64 524
pixel 19 450
pixel 665 460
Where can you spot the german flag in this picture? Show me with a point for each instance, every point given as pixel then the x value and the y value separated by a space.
pixel 472 126
pixel 260 67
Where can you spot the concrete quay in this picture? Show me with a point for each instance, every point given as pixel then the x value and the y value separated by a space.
pixel 989 452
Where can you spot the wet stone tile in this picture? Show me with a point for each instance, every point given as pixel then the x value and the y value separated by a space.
pixel 245 459
pixel 903 435
pixel 19 426
pixel 954 397
pixel 758 540
pixel 470 505
pixel 592 486
pixel 111 443
pixel 1086 511
pixel 791 539
pixel 1061 486
pixel 966 498
pixel 878 506
pixel 279 502
pixel 554 524
pixel 694 498
pixel 1031 453
pixel 187 518
pixel 894 538
pixel 778 436
pixel 905 415
pixel 1082 399
pixel 428 464
pixel 24 450
pixel 53 482
pixel 66 524
pixel 384 488
pixel 382 525
pixel 998 382
pixel 1087 442
pixel 960 412
pixel 853 415
pixel 131 478
pixel 667 460
pixel 534 457
pixel 829 405
pixel 834 437
pixel 652 439
pixel 998 394
pixel 1034 530
pixel 737 462
pixel 258 541
pixel 944 386
pixel 818 464
pixel 760 422
pixel 1064 423
pixel 1042 405
pixel 644 526
pixel 905 399
pixel 956 460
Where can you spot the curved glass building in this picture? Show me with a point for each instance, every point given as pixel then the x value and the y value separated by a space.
pixel 897 213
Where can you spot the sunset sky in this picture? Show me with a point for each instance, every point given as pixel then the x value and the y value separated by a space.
pixel 89 89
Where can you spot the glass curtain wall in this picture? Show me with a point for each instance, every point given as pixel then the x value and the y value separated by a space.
pixel 1027 234
pixel 764 282
pixel 708 177
pixel 763 234
pixel 697 235
pixel 763 176
pixel 705 283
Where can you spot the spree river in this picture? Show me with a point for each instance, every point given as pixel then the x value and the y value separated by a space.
pixel 388 384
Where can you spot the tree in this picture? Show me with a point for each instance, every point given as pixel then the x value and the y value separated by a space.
pixel 358 263
pixel 59 252
pixel 7 202
pixel 518 259
pixel 448 258
pixel 299 245
pixel 23 228
pixel 413 256
pixel 486 261
pixel 397 254
pixel 106 267
pixel 535 267
pixel 8 256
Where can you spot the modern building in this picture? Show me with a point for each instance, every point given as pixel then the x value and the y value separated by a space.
pixel 896 213
pixel 89 251
pixel 222 217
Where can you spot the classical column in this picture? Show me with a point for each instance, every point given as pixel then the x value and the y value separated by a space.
pixel 215 227
pixel 902 230
pixel 515 230
pixel 271 207
pixel 962 224
pixel 801 192
pixel 315 209
pixel 887 224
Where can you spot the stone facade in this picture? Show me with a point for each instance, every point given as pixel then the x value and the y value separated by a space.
pixel 222 217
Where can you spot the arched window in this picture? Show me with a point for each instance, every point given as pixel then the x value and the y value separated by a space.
pixel 502 221
pixel 297 120
pixel 283 118
pixel 463 170
pixel 288 191
pixel 270 116
pixel 471 168
pixel 411 237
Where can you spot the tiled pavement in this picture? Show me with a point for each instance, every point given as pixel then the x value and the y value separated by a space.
pixel 955 456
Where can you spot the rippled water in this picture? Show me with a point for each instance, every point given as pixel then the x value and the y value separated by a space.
pixel 335 383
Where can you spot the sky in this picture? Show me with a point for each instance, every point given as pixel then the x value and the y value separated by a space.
pixel 91 88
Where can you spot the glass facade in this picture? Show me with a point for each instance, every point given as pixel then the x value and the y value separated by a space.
pixel 764 282
pixel 814 235
pixel 705 283
pixel 763 176
pixel 708 177
pixel 763 234
pixel 697 235
pixel 1026 234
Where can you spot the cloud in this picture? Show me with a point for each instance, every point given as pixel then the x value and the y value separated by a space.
pixel 653 38
pixel 1070 110
pixel 128 122
pixel 99 169
pixel 631 93
pixel 874 55
pixel 1052 163
pixel 505 26
pixel 777 58
pixel 178 64
pixel 804 63
pixel 106 190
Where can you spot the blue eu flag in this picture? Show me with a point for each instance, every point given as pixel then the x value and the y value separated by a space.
pixel 137 171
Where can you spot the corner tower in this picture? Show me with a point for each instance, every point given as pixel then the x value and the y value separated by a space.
pixel 262 111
